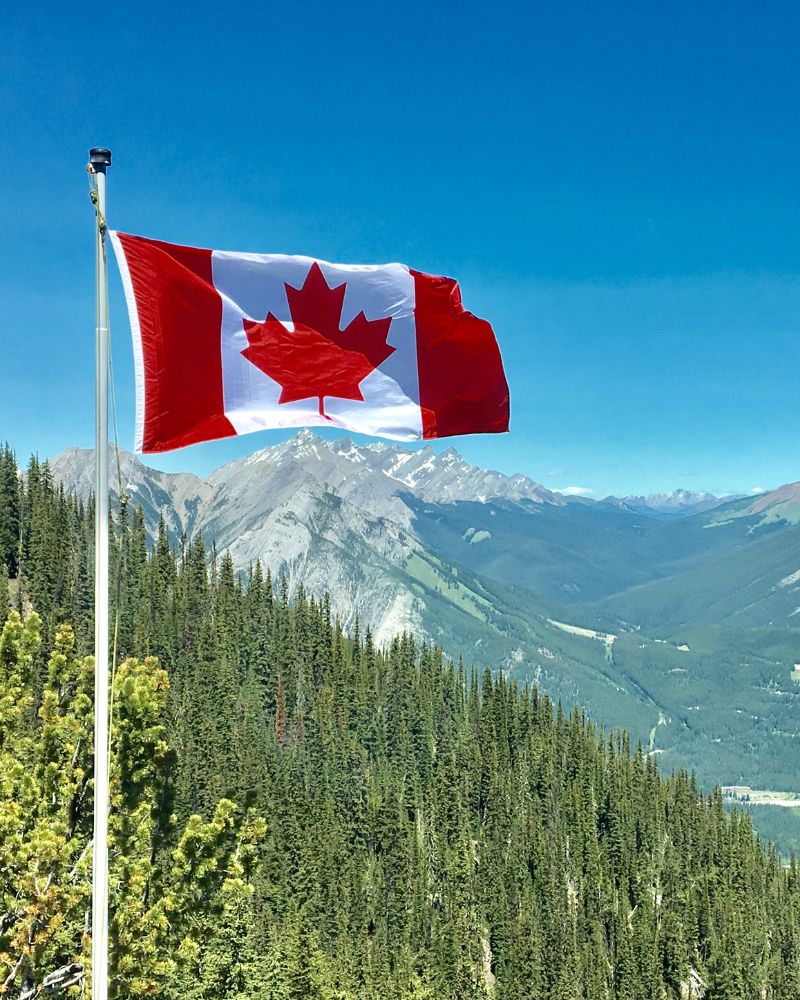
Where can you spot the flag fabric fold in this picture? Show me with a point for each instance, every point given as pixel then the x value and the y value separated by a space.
pixel 226 343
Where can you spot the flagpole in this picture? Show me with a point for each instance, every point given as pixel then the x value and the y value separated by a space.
pixel 99 161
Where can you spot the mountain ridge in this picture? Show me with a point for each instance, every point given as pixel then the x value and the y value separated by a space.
pixel 674 503
pixel 431 475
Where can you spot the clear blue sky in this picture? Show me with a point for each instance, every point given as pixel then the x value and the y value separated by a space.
pixel 614 184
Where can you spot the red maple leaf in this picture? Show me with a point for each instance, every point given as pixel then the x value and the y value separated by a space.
pixel 317 358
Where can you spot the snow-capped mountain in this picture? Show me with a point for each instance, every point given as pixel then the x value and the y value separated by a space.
pixel 675 503
pixel 330 515
pixel 445 477
pixel 377 475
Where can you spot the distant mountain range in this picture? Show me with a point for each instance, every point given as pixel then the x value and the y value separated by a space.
pixel 676 503
pixel 676 615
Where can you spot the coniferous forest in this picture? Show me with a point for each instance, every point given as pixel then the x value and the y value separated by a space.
pixel 297 814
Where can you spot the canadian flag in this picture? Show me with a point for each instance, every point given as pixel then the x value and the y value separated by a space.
pixel 227 343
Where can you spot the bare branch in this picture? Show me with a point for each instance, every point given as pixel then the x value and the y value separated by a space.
pixel 55 981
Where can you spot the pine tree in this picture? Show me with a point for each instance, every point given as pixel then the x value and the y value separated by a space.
pixel 9 511
pixel 46 822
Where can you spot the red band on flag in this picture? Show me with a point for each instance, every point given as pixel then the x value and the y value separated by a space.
pixel 462 385
pixel 179 315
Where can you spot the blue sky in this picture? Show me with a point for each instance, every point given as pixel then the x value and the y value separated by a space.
pixel 615 185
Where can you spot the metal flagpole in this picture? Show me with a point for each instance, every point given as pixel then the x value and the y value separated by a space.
pixel 99 161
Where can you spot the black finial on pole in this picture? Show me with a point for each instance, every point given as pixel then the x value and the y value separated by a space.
pixel 100 158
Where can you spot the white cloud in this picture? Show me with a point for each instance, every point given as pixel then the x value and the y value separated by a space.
pixel 576 491
pixel 756 490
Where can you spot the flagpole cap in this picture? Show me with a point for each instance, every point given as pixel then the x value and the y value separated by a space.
pixel 100 158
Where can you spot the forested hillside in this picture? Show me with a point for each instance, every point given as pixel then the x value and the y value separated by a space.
pixel 299 815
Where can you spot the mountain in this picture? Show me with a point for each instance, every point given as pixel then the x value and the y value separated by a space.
pixel 281 506
pixel 588 552
pixel 675 503
pixel 749 573
pixel 682 628
pixel 445 477
pixel 775 507
pixel 177 496
pixel 328 515
pixel 374 476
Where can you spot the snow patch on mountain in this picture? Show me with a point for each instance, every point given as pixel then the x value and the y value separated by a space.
pixel 791 580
